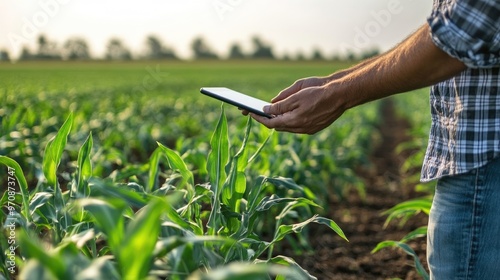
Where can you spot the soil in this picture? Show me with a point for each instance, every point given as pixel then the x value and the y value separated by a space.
pixel 361 219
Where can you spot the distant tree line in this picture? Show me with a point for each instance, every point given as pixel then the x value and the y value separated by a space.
pixel 76 48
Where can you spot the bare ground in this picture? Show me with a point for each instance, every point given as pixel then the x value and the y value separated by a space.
pixel 362 222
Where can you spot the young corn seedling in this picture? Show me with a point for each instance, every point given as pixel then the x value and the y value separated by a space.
pixel 102 229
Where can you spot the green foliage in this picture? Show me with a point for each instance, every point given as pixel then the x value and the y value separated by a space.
pixel 23 185
pixel 128 117
pixel 84 167
pixel 407 209
pixel 102 229
pixel 54 150
pixel 221 201
pixel 420 232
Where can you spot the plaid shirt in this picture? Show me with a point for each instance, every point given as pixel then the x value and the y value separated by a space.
pixel 465 110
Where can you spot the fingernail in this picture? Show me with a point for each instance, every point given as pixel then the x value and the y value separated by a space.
pixel 266 109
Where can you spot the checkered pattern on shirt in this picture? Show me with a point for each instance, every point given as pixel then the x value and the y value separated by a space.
pixel 465 110
pixel 465 130
pixel 468 30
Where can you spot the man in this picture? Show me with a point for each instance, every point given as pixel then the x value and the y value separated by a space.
pixel 458 52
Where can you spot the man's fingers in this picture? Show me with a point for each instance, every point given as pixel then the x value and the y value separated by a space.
pixel 278 121
pixel 282 95
pixel 288 91
pixel 281 107
pixel 243 111
pixel 282 123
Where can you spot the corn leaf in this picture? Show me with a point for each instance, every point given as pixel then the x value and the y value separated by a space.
pixel 39 200
pixel 31 250
pixel 268 202
pixel 84 167
pixel 235 185
pixel 235 271
pixel 54 150
pixel 107 217
pixel 254 156
pixel 243 152
pixel 283 182
pixel 176 163
pixel 100 268
pixel 183 260
pixel 141 236
pixel 51 161
pixel 284 230
pixel 21 180
pixel 173 216
pixel 126 192
pixel 165 245
pixel 408 250
pixel 254 193
pixel 331 224
pixel 154 161
pixel 409 208
pixel 251 271
pixel 418 233
pixel 294 270
pixel 33 270
pixel 217 160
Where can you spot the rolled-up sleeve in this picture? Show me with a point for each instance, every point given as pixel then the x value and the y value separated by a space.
pixel 468 30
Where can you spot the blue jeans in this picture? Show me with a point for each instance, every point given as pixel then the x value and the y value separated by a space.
pixel 463 240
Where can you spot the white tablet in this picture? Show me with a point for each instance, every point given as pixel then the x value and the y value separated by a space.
pixel 237 99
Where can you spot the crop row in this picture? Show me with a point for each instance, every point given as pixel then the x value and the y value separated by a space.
pixel 100 188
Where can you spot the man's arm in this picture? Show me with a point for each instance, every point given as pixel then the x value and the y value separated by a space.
pixel 413 64
pixel 319 81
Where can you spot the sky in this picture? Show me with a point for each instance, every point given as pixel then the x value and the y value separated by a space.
pixel 289 26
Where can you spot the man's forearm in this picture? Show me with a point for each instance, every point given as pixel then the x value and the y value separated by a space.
pixel 340 74
pixel 413 64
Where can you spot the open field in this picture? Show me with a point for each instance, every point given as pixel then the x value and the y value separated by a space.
pixel 155 135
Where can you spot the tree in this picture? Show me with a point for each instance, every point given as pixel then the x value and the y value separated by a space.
pixel 370 53
pixel 351 56
pixel 336 57
pixel 76 49
pixel 26 54
pixel 201 50
pixel 300 56
pixel 156 49
pixel 116 50
pixel 4 55
pixel 261 49
pixel 42 44
pixel 317 55
pixel 235 52
pixel 47 50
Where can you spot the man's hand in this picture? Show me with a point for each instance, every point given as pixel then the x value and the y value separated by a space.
pixel 300 85
pixel 305 110
pixel 295 87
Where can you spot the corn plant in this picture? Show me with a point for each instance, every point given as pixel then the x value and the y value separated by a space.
pixel 101 228
pixel 404 211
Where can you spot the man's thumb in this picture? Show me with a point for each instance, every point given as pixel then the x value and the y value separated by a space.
pixel 275 108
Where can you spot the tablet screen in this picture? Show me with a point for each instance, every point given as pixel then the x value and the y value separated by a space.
pixel 238 99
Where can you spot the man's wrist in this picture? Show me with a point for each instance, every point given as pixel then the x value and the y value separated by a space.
pixel 338 92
